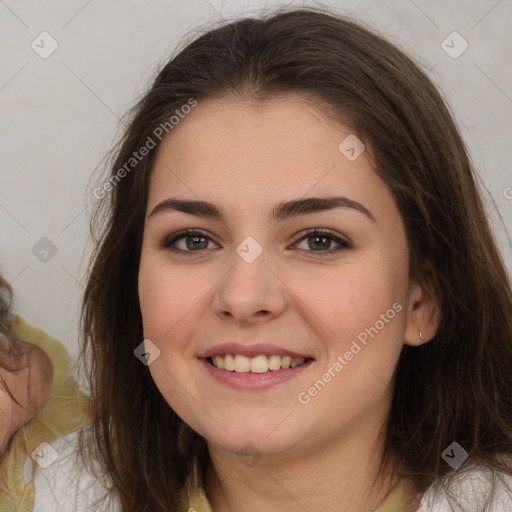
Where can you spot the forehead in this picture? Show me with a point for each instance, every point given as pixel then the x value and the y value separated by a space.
pixel 282 122
pixel 236 150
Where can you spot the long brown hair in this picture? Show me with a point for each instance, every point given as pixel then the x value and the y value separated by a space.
pixel 457 387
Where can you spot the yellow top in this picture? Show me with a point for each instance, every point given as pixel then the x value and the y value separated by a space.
pixel 396 501
pixel 65 412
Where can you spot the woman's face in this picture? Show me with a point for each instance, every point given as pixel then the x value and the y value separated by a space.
pixel 254 287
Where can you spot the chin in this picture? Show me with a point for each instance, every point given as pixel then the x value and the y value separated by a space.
pixel 247 439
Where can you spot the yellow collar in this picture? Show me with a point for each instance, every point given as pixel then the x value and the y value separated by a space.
pixel 396 500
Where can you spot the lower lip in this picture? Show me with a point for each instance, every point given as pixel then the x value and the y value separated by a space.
pixel 254 381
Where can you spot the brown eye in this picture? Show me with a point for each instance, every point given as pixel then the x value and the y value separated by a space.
pixel 320 241
pixel 193 241
pixel 190 241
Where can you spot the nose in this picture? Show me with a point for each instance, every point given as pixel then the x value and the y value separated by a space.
pixel 250 292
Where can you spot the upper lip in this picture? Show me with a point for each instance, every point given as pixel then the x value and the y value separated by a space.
pixel 250 350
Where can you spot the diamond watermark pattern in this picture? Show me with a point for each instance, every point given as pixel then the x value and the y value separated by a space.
pixel 249 455
pixel 454 45
pixel 351 147
pixel 455 455
pixel 249 249
pixel 44 250
pixel 147 352
pixel 44 45
pixel 45 455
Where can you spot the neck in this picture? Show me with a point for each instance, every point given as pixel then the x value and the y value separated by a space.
pixel 338 475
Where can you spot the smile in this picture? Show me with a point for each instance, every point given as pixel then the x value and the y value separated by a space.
pixel 254 373
pixel 259 364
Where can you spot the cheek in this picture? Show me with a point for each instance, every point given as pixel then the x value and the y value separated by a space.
pixel 348 301
pixel 166 296
pixel 359 314
pixel 166 304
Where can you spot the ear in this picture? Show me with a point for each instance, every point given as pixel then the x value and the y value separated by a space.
pixel 423 312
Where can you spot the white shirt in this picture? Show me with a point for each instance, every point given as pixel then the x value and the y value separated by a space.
pixel 469 491
pixel 67 486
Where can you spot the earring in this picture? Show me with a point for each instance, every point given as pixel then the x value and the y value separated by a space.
pixel 421 336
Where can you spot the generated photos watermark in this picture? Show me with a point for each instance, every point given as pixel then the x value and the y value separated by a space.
pixel 304 397
pixel 137 156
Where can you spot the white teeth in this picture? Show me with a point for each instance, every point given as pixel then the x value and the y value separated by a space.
pixel 242 364
pixel 229 362
pixel 285 362
pixel 296 361
pixel 274 362
pixel 258 364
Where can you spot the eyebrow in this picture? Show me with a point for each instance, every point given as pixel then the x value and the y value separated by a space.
pixel 280 212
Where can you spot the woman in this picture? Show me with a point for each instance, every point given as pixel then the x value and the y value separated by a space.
pixel 39 402
pixel 26 375
pixel 296 300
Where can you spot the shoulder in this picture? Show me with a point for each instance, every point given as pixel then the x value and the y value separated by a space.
pixel 64 483
pixel 34 334
pixel 475 489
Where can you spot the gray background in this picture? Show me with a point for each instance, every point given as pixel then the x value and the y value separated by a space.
pixel 59 115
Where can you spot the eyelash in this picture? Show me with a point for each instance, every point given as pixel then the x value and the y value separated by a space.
pixel 185 233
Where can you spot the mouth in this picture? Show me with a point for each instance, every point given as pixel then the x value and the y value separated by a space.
pixel 263 363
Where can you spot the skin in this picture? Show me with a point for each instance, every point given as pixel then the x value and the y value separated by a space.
pixel 319 456
pixel 31 386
